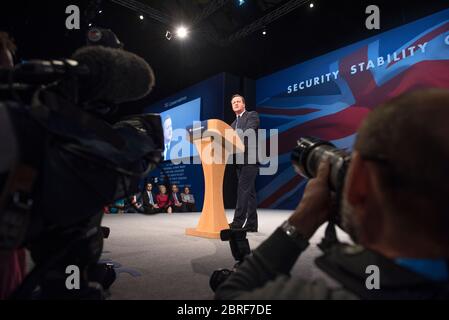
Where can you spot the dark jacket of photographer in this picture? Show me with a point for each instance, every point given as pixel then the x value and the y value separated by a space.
pixel 264 275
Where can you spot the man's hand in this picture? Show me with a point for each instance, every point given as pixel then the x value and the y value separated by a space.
pixel 314 208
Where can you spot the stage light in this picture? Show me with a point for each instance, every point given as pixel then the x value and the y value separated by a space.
pixel 100 11
pixel 90 24
pixel 311 5
pixel 264 32
pixel 241 2
pixel 181 32
pixel 141 17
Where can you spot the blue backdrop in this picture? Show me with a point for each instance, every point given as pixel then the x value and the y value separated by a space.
pixel 329 96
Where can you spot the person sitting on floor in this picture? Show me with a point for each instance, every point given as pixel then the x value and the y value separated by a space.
pixel 188 200
pixel 149 202
pixel 163 201
pixel 133 205
pixel 176 199
pixel 118 206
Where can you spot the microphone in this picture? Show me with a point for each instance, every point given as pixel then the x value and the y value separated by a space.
pixel 105 74
pixel 115 75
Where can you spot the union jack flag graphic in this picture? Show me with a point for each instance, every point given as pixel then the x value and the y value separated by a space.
pixel 414 56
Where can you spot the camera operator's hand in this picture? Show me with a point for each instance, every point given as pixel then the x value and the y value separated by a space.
pixel 315 207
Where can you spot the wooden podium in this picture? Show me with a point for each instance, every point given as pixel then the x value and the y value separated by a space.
pixel 215 141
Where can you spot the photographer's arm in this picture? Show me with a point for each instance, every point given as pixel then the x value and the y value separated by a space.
pixel 265 274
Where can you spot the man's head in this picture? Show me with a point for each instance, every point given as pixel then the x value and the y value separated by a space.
pixel 7 50
pixel 238 104
pixel 396 189
pixel 149 186
pixel 174 188
pixel 168 129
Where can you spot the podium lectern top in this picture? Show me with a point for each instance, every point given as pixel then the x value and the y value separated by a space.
pixel 217 128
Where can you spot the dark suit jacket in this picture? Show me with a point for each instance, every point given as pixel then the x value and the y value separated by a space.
pixel 172 199
pixel 146 199
pixel 249 120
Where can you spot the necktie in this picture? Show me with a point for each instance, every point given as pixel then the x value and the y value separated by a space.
pixel 237 122
pixel 150 195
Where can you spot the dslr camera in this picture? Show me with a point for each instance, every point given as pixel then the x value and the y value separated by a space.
pixel 306 158
pixel 308 154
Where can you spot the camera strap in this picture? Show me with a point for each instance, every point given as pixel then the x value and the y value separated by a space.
pixel 15 205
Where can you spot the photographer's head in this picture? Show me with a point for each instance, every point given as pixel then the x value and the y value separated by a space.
pixel 396 188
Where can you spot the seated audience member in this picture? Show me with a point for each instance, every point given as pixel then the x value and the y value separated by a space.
pixel 394 206
pixel 176 199
pixel 163 200
pixel 133 205
pixel 118 206
pixel 149 201
pixel 188 200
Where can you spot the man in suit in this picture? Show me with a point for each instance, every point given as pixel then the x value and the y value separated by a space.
pixel 149 200
pixel 175 198
pixel 247 168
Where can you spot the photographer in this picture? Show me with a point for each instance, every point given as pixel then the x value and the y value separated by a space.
pixel 394 205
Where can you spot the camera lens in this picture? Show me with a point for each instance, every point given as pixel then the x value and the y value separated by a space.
pixel 310 151
pixel 307 155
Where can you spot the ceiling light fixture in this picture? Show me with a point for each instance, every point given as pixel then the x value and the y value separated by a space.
pixel 181 32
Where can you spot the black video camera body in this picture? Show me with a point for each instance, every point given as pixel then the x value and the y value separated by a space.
pixel 60 165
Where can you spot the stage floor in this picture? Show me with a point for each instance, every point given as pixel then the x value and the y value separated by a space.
pixel 154 259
